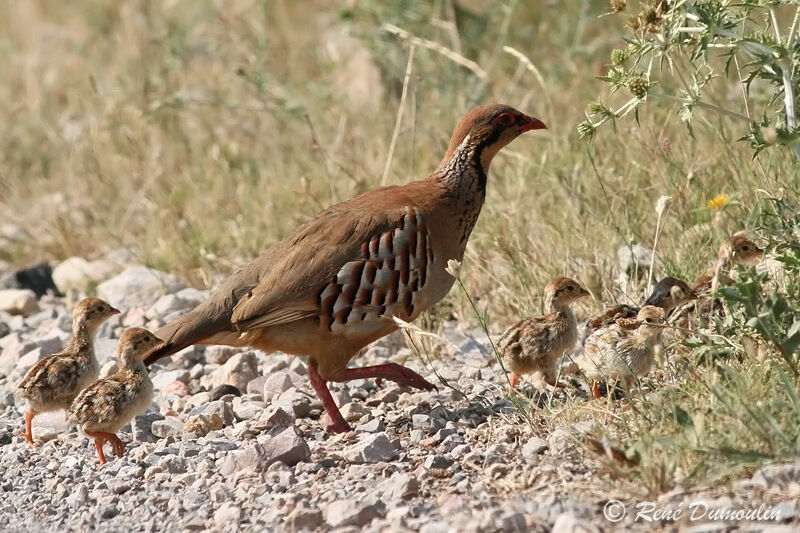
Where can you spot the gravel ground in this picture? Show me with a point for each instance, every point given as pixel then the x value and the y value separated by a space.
pixel 234 440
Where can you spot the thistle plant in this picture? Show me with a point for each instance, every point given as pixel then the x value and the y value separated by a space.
pixel 679 50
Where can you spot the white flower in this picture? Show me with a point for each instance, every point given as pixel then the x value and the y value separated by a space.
pixel 453 268
pixel 662 204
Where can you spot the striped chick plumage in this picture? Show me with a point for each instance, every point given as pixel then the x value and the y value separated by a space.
pixel 107 405
pixel 53 382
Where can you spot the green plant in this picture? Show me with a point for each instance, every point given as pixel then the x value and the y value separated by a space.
pixel 688 47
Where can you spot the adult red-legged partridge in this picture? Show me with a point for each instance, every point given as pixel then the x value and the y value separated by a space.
pixel 335 284
pixel 624 350
pixel 105 406
pixel 534 345
pixel 52 383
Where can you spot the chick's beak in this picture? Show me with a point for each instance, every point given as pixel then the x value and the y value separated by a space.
pixel 583 292
pixel 530 123
pixel 113 311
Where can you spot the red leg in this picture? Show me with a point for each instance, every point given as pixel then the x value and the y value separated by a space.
pixel 29 414
pixel 339 424
pixel 514 379
pixel 596 390
pixel 100 438
pixel 98 445
pixel 391 371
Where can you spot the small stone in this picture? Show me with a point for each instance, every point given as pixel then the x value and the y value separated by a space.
pixel 352 513
pixel 372 448
pixel 218 407
pixel 227 514
pixel 569 523
pixel 219 355
pixel 256 385
pixel 178 388
pixel 141 426
pixel 372 426
pixel 439 462
pixel 288 447
pixel 399 486
pixel 304 519
pixel 271 417
pixel 352 412
pixel 238 371
pixel 534 447
pixel 108 511
pixel 246 410
pixel 162 379
pixel 276 384
pixel 18 301
pixel 137 286
pixel 295 401
pixel 169 427
pixel 76 274
pixel 203 424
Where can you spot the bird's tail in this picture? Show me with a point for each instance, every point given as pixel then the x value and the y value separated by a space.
pixel 191 328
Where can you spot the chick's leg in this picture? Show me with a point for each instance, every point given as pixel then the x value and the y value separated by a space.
pixel 29 414
pixel 100 438
pixel 514 379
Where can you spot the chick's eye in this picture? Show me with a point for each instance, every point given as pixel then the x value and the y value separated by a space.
pixel 506 119
pixel 101 308
pixel 745 248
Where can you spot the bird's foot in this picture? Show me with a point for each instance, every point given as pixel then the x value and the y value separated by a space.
pixel 391 371
pixel 339 426
pixel 513 379
pixel 596 390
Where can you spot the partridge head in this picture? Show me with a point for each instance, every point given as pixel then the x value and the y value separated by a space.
pixel 669 293
pixel 90 313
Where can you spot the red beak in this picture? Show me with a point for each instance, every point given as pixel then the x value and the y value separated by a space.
pixel 531 123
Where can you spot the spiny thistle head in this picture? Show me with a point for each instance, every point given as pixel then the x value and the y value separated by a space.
pixel 618 56
pixel 618 5
pixel 586 130
pixel 638 86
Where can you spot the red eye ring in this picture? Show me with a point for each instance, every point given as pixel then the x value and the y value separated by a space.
pixel 506 119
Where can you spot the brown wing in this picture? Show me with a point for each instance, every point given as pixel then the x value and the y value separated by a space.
pixel 104 400
pixel 609 316
pixel 52 377
pixel 343 268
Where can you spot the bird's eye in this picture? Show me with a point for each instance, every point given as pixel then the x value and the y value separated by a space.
pixel 147 339
pixel 745 248
pixel 101 308
pixel 648 320
pixel 506 119
pixel 570 288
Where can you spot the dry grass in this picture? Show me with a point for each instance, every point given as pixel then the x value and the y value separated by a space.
pixel 198 133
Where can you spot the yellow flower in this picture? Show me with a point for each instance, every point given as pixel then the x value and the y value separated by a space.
pixel 717 202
